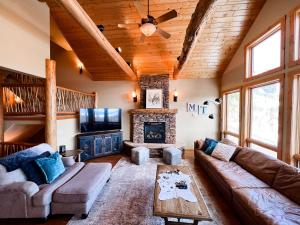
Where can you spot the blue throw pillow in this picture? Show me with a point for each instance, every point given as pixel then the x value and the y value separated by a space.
pixel 13 161
pixel 209 146
pixel 52 166
pixel 32 170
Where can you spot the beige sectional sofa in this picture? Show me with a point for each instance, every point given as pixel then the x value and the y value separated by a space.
pixel 25 199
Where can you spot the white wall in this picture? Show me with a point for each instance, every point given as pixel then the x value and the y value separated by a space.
pixel 118 94
pixel 25 36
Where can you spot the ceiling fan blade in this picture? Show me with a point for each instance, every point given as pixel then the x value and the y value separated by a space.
pixel 163 33
pixel 167 16
pixel 142 38
pixel 140 8
pixel 129 25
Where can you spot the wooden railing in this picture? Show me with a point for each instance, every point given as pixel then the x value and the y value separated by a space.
pixel 69 101
pixel 24 99
pixel 7 148
pixel 29 99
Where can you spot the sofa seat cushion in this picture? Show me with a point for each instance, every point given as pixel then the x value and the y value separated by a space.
pixel 267 206
pixel 235 176
pixel 44 196
pixel 82 187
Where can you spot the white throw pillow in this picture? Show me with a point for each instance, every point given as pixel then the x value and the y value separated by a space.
pixel 13 176
pixel 223 152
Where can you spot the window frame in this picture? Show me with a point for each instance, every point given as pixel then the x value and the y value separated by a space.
pixel 224 114
pixel 290 151
pixel 279 25
pixel 248 110
pixel 294 19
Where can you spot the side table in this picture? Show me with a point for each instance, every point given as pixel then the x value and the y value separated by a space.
pixel 75 153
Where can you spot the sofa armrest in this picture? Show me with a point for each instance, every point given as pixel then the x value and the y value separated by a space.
pixel 28 188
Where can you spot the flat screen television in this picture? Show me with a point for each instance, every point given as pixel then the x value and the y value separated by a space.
pixel 100 119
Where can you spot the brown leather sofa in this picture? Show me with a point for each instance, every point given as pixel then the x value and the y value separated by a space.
pixel 261 189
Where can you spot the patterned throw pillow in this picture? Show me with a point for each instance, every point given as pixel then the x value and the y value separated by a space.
pixel 209 146
pixel 223 152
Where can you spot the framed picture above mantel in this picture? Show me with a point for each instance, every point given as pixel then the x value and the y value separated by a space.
pixel 154 99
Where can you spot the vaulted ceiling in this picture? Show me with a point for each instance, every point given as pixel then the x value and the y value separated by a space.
pixel 216 44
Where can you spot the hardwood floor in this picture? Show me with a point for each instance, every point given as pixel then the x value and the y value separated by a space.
pixel 189 155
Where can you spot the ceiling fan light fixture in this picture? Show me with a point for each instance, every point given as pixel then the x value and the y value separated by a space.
pixel 148 29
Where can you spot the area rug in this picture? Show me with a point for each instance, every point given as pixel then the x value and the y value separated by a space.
pixel 127 199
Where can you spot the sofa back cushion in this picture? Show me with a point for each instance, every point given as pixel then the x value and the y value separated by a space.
pixel 12 177
pixel 260 165
pixel 287 182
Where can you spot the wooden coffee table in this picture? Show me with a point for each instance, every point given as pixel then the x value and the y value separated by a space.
pixel 178 207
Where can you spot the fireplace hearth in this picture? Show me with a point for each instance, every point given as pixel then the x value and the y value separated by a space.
pixel 154 132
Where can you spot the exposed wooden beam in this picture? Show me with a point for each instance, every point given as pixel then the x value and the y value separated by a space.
pixel 50 89
pixel 199 18
pixel 78 13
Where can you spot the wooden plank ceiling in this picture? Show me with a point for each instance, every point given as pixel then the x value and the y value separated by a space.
pixel 216 45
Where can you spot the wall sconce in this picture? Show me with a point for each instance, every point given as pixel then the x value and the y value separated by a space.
pixel 134 96
pixel 175 96
pixel 217 101
pixel 118 49
pixel 100 27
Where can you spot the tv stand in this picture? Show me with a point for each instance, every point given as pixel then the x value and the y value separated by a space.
pixel 97 144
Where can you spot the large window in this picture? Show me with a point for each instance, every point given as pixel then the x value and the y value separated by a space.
pixel 265 55
pixel 232 116
pixel 264 117
pixel 294 134
pixel 295 37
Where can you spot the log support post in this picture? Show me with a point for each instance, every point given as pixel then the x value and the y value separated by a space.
pixel 50 89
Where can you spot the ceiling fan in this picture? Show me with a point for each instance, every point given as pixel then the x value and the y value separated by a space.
pixel 148 25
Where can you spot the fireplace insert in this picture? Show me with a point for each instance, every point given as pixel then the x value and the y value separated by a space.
pixel 154 132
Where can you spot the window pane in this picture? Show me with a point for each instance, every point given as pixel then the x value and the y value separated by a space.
pixel 263 150
pixel 266 55
pixel 233 112
pixel 265 113
pixel 232 138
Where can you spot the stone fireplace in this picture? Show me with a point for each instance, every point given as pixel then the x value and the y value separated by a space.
pixel 142 117
pixel 153 127
pixel 154 132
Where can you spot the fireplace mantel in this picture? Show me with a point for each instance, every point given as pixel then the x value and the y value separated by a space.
pixel 153 111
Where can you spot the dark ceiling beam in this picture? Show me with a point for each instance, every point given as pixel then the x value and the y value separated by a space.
pixel 198 21
pixel 79 15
